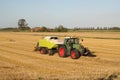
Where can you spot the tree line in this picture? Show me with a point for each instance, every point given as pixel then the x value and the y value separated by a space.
pixel 23 26
pixel 98 28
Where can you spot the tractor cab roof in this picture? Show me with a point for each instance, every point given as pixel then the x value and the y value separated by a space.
pixel 71 38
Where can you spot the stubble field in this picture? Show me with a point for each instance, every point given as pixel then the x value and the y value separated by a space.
pixel 18 61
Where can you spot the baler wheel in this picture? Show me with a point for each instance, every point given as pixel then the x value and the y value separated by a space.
pixel 43 51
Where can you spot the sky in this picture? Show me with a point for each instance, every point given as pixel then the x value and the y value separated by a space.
pixel 52 13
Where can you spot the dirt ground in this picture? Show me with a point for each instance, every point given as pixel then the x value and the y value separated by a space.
pixel 18 61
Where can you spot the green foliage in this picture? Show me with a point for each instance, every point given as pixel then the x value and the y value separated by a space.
pixel 60 28
pixel 115 28
pixel 24 28
pixel 9 29
pixel 98 29
pixel 22 25
pixel 43 29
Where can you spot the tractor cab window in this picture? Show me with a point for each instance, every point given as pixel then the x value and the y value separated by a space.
pixel 72 41
pixel 68 41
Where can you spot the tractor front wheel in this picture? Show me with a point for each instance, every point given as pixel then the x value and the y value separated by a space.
pixel 62 51
pixel 43 51
pixel 75 54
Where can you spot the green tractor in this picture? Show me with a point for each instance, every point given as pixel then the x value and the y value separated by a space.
pixel 68 47
pixel 73 48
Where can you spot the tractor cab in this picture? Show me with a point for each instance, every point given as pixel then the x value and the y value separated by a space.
pixel 71 41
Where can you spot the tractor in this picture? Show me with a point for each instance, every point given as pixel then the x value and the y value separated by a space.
pixel 72 47
pixel 68 47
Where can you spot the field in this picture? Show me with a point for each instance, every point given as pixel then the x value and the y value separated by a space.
pixel 18 61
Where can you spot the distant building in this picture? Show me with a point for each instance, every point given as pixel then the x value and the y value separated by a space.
pixel 36 29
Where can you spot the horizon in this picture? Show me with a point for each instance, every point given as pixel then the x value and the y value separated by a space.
pixel 52 13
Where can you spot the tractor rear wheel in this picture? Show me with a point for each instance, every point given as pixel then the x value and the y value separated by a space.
pixel 43 50
pixel 62 51
pixel 75 54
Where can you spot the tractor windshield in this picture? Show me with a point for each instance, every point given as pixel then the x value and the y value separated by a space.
pixel 74 40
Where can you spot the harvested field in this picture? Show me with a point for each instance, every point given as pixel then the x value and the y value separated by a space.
pixel 18 61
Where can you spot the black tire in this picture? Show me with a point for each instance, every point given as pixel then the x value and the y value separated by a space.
pixel 75 54
pixel 62 51
pixel 50 52
pixel 43 51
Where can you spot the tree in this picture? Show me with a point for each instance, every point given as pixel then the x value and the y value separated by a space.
pixel 43 29
pixel 115 28
pixel 60 28
pixel 23 25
